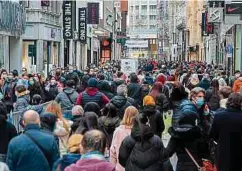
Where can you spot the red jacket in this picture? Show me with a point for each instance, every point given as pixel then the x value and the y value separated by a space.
pixel 92 91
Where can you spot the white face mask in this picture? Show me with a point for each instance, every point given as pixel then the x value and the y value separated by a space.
pixel 52 82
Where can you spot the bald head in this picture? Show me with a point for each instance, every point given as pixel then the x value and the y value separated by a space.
pixel 31 117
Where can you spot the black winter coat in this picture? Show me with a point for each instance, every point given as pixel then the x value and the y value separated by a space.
pixel 196 145
pixel 121 103
pixel 137 156
pixel 48 121
pixel 156 119
pixel 77 121
pixel 108 125
pixel 7 132
pixel 226 130
pixel 134 91
pixel 53 92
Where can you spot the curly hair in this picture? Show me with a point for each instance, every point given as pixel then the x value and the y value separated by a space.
pixel 234 101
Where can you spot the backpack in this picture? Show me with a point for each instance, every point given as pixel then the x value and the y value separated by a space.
pixel 108 125
pixel 120 111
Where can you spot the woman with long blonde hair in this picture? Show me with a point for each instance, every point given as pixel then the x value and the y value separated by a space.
pixel 120 133
pixel 62 126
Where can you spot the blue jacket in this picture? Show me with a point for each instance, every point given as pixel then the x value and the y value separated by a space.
pixel 149 80
pixel 205 84
pixel 23 154
pixel 186 112
pixel 66 160
pixel 22 103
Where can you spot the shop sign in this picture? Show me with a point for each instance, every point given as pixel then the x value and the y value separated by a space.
pixel 207 28
pixel 234 8
pixel 229 51
pixel 93 13
pixel 215 15
pixel 82 25
pixel 136 43
pixel 67 20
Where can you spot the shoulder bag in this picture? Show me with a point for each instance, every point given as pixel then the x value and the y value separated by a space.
pixel 42 150
pixel 207 164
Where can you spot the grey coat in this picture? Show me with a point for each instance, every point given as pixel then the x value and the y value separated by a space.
pixel 22 103
pixel 65 102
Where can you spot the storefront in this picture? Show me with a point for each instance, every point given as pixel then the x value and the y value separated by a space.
pixel 41 52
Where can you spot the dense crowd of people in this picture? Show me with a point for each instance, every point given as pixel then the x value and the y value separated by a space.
pixel 101 119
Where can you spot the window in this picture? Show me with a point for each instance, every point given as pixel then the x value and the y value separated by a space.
pixel 152 27
pixel 137 7
pixel 131 8
pixel 152 7
pixel 54 6
pixel 137 17
pixel 143 17
pixel 24 3
pixel 152 17
pixel 144 7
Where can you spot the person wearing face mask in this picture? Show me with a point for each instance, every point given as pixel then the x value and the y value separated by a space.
pixel 24 81
pixel 197 96
pixel 53 70
pixel 71 75
pixel 3 75
pixel 237 84
pixel 58 74
pixel 8 92
pixel 35 88
pixel 190 132
pixel 23 98
pixel 78 72
pixel 195 110
pixel 52 89
pixel 14 79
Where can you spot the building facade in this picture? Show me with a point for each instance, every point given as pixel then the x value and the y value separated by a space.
pixel 177 29
pixel 10 34
pixel 194 11
pixel 42 42
pixel 101 44
pixel 143 27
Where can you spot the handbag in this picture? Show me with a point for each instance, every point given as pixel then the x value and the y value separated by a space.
pixel 207 164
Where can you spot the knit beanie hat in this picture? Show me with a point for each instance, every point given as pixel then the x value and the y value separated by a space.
pixel 74 143
pixel 92 82
pixel 148 101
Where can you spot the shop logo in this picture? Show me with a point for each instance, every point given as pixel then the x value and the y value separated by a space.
pixel 232 9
